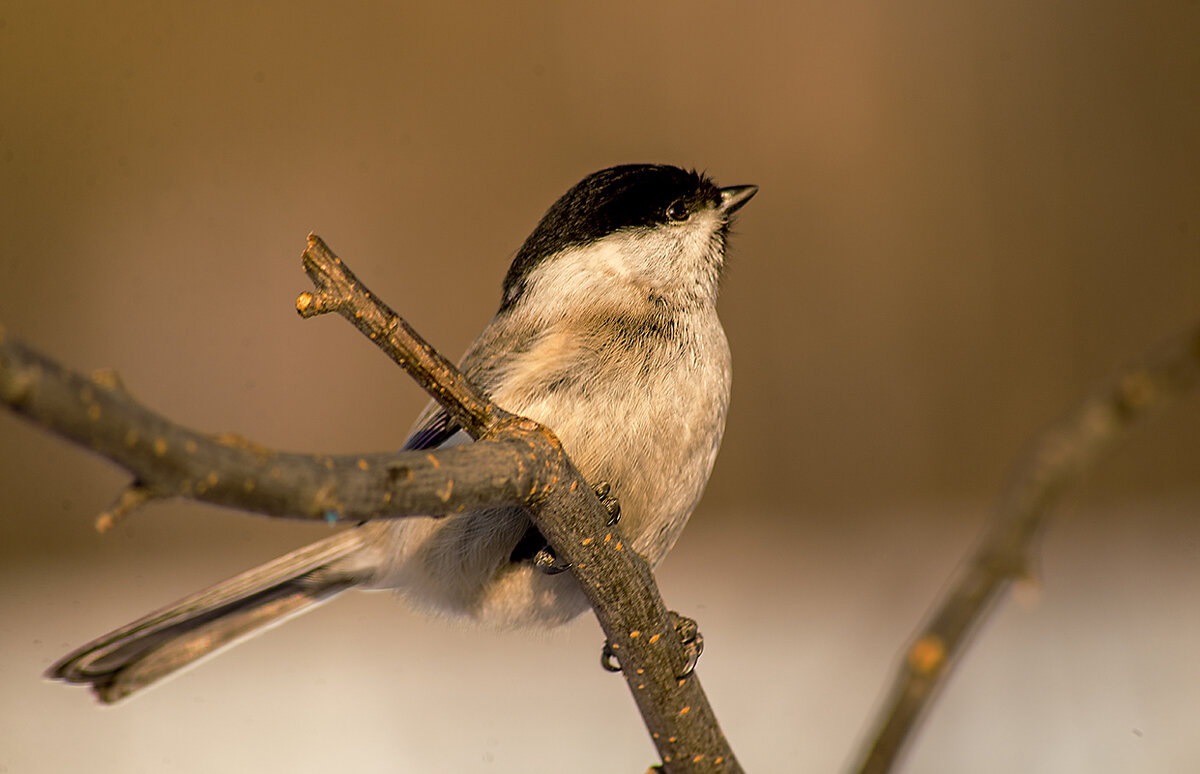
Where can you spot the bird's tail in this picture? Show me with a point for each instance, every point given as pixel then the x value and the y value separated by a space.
pixel 165 641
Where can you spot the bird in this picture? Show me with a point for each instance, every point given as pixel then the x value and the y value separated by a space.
pixel 607 333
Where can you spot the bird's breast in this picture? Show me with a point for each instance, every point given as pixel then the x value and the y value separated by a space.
pixel 643 410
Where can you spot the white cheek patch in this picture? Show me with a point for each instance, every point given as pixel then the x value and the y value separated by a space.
pixel 581 278
pixel 625 268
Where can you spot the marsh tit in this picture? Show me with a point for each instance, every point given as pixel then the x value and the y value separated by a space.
pixel 608 334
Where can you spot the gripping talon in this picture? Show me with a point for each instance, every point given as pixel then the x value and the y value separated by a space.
pixel 603 492
pixel 546 561
pixel 607 656
pixel 691 641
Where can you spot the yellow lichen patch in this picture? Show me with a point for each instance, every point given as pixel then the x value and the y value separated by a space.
pixel 131 437
pixel 248 485
pixel 362 464
pixel 19 385
pixel 304 301
pixel 444 493
pixel 93 412
pixel 105 522
pixel 654 639
pixel 433 461
pixel 275 472
pixel 160 447
pixel 212 478
pixel 189 446
pixel 927 654
pixel 387 497
pixel 235 441
pixel 635 634
pixel 106 378
pixel 586 541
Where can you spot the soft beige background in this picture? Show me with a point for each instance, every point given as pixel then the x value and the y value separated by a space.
pixel 969 212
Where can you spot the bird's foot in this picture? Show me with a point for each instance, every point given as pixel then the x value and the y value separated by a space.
pixel 603 492
pixel 548 562
pixel 607 656
pixel 691 640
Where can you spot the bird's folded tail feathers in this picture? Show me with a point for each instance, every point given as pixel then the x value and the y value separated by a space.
pixel 165 641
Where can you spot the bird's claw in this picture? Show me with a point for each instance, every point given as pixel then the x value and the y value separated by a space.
pixel 546 561
pixel 603 492
pixel 607 656
pixel 691 640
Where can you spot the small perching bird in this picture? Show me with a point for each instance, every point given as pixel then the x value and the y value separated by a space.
pixel 608 334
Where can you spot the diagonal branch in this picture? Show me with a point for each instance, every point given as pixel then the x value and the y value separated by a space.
pixel 169 460
pixel 564 508
pixel 1056 459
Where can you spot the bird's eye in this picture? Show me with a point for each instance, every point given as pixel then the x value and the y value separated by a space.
pixel 678 211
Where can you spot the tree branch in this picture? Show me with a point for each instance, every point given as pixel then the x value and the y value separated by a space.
pixel 1056 459
pixel 515 462
pixel 169 460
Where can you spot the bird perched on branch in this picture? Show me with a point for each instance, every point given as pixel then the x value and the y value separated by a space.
pixel 608 334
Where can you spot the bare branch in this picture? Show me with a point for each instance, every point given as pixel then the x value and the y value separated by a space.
pixel 1056 459
pixel 169 460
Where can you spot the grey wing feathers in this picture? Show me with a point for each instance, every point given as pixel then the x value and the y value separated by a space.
pixel 169 639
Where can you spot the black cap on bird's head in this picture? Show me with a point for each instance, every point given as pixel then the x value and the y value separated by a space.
pixel 620 198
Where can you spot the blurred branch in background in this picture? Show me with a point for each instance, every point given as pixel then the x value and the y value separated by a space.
pixel 1056 459
pixel 516 461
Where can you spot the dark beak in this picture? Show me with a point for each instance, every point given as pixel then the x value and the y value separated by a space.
pixel 733 197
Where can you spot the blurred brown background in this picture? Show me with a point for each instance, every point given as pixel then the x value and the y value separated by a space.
pixel 969 213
